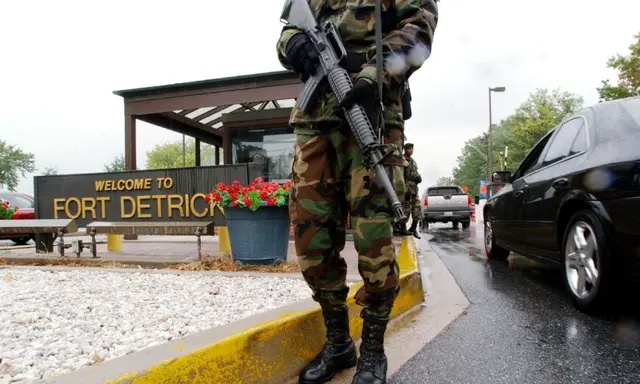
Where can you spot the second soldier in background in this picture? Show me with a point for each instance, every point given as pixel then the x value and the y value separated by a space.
pixel 412 178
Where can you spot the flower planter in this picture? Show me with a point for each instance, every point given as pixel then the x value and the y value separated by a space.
pixel 257 218
pixel 259 237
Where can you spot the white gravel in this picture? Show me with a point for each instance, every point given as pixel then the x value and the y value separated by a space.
pixel 52 322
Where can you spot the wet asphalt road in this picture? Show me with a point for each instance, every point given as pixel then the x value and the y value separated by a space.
pixel 520 327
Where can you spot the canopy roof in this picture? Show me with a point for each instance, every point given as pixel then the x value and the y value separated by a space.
pixel 197 108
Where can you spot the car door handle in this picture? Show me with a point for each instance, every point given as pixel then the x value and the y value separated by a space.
pixel 518 193
pixel 560 183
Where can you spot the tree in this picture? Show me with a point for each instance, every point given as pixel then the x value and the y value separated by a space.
pixel 472 164
pixel 169 155
pixel 116 165
pixel 50 170
pixel 542 111
pixel 444 180
pixel 14 164
pixel 628 68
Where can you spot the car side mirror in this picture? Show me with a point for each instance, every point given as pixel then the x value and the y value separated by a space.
pixel 476 200
pixel 501 177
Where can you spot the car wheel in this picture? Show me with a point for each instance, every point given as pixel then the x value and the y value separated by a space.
pixel 466 224
pixel 425 226
pixel 21 240
pixel 494 252
pixel 587 264
pixel 455 224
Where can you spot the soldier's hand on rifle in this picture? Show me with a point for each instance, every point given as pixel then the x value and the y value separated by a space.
pixel 302 55
pixel 418 179
pixel 365 93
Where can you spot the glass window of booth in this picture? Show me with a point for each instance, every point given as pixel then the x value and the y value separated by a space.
pixel 272 147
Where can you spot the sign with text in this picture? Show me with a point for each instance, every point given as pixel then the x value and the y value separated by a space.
pixel 155 195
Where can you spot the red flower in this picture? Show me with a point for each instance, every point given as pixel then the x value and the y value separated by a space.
pixel 269 193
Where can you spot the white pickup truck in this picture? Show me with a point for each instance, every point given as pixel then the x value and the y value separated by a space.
pixel 446 204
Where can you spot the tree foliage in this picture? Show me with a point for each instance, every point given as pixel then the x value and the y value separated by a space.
pixel 116 165
pixel 628 69
pixel 50 170
pixel 14 164
pixel 170 155
pixel 542 111
pixel 471 164
pixel 444 181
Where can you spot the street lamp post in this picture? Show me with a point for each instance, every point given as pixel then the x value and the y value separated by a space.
pixel 490 143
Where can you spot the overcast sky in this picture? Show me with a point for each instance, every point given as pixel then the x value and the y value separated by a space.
pixel 61 60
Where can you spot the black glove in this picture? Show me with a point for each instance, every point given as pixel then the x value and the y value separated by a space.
pixel 418 179
pixel 364 93
pixel 302 55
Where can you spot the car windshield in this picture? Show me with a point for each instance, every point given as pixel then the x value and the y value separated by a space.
pixel 16 200
pixel 443 191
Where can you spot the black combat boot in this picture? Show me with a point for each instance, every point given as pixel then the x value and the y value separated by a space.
pixel 414 230
pixel 339 351
pixel 397 231
pixel 372 365
pixel 400 229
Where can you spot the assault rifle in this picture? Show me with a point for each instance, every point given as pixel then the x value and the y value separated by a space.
pixel 331 50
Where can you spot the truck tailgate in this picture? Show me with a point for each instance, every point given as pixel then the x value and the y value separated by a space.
pixel 447 203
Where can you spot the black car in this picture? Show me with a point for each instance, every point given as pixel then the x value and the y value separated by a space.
pixel 574 202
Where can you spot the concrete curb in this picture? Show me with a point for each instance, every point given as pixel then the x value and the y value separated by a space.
pixel 90 262
pixel 268 348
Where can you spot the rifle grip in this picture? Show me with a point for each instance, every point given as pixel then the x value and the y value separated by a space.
pixel 309 94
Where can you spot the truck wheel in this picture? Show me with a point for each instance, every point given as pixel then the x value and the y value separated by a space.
pixel 466 224
pixel 425 225
pixel 493 251
pixel 455 224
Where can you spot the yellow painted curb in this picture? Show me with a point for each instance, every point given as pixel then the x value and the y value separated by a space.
pixel 270 353
pixel 407 258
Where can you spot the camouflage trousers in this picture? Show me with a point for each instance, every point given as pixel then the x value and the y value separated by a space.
pixel 412 206
pixel 328 182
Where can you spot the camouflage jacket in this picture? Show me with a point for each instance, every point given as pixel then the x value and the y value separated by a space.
pixel 415 22
pixel 410 175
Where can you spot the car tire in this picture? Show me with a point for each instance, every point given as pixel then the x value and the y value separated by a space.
pixel 588 271
pixel 494 252
pixel 455 224
pixel 466 224
pixel 425 225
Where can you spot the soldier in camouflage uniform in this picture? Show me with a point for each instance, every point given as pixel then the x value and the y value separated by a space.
pixel 411 201
pixel 329 179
